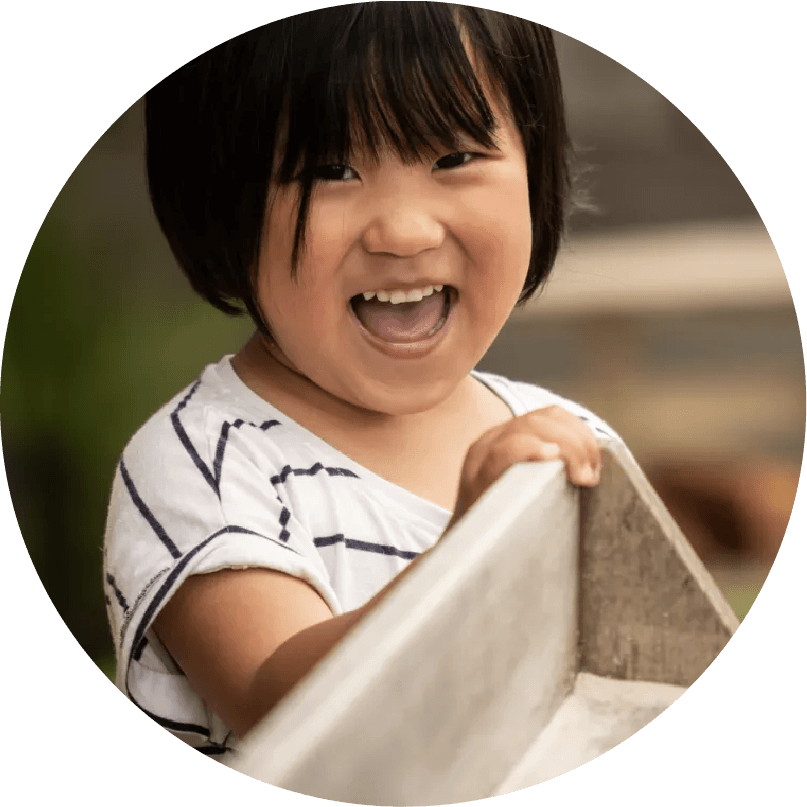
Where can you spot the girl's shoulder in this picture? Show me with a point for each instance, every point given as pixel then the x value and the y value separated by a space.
pixel 214 417
pixel 216 388
pixel 523 397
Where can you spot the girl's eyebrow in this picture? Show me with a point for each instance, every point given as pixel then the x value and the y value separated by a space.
pixel 466 142
pixel 462 142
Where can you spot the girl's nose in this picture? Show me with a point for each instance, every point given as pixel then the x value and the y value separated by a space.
pixel 402 230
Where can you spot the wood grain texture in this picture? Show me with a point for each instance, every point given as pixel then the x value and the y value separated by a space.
pixel 649 610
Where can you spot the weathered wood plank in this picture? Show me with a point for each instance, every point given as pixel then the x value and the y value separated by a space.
pixel 434 698
pixel 446 692
pixel 649 610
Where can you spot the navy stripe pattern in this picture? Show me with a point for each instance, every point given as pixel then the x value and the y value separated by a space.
pixel 344 513
pixel 212 477
pixel 286 472
pixel 159 597
pixel 364 546
pixel 285 515
pixel 151 608
pixel 594 427
pixel 147 514
pixel 209 456
pixel 213 750
pixel 173 725
pixel 118 596
pixel 139 642
pixel 244 531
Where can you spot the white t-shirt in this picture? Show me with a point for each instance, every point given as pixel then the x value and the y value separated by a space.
pixel 218 478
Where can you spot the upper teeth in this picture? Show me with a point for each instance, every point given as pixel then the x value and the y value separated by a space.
pixel 395 297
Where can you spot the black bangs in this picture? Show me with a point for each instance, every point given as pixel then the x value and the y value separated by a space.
pixel 385 75
pixel 275 103
pixel 378 76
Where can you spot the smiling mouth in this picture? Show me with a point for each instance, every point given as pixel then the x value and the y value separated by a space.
pixel 404 323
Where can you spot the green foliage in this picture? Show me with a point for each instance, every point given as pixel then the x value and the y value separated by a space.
pixel 741 598
pixel 89 355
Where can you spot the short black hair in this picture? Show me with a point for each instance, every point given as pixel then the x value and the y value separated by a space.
pixel 278 101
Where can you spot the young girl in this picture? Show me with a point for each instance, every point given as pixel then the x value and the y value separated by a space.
pixel 377 185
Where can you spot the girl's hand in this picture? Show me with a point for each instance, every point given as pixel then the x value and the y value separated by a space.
pixel 545 434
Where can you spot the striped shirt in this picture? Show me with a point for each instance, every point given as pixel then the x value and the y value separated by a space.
pixel 218 478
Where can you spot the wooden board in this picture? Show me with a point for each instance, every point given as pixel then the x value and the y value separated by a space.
pixel 447 691
pixel 435 696
pixel 649 610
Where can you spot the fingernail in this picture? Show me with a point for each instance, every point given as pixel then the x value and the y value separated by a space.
pixel 551 451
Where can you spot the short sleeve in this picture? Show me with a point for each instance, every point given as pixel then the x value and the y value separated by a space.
pixel 193 493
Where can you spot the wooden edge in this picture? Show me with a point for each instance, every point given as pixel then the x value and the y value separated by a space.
pixel 325 699
pixel 672 531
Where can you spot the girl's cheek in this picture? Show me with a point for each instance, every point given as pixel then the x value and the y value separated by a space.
pixel 332 227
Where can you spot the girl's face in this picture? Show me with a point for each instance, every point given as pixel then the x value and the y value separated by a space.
pixel 459 221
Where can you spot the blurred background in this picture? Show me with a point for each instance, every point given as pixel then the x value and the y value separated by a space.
pixel 668 314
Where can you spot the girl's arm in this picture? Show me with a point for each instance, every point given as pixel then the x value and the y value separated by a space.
pixel 245 637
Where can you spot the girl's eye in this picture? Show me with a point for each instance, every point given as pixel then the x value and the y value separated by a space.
pixel 335 173
pixel 455 160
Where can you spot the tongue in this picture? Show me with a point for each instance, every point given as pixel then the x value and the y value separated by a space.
pixel 404 322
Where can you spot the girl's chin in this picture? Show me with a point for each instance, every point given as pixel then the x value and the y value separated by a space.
pixel 399 399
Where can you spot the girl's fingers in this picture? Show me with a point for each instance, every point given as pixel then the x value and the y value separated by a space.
pixel 544 435
pixel 578 446
pixel 516 447
pixel 550 451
